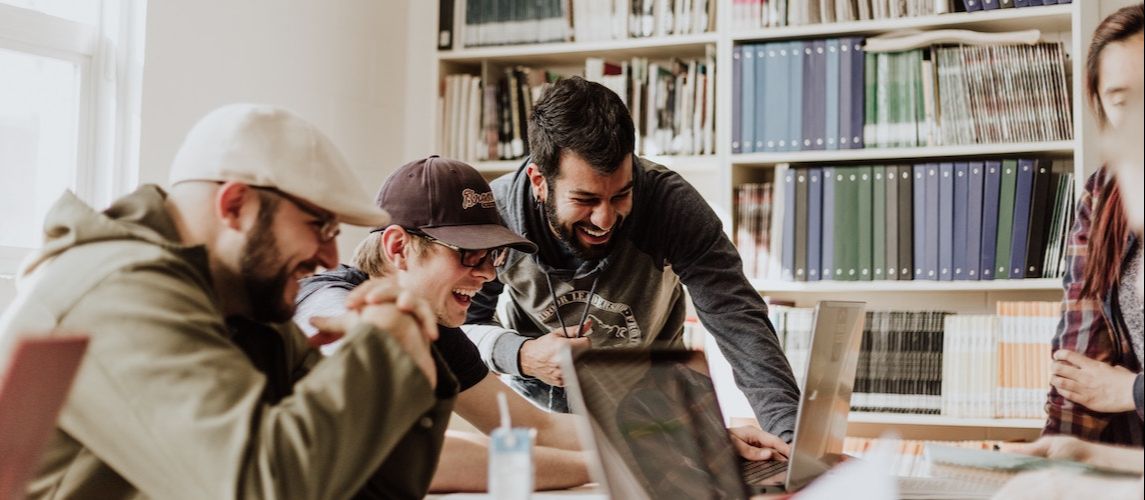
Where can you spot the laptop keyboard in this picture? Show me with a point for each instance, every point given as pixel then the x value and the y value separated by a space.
pixel 756 472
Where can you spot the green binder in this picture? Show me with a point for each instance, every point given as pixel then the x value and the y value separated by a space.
pixel 1005 218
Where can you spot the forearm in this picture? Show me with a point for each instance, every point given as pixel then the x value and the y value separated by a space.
pixel 464 466
pixel 559 432
pixel 499 347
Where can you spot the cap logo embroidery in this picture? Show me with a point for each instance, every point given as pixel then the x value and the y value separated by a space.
pixel 471 198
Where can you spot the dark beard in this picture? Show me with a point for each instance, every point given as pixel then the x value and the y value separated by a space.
pixel 569 239
pixel 265 289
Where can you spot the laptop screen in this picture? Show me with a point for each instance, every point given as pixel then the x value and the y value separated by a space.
pixel 657 424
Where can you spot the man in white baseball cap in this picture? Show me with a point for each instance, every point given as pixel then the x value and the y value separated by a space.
pixel 196 383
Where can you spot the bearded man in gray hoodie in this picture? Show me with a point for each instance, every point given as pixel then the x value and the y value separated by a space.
pixel 618 238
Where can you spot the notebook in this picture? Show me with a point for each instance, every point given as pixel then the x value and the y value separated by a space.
pixel 34 383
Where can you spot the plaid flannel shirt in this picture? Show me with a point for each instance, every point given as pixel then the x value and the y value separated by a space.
pixel 1084 328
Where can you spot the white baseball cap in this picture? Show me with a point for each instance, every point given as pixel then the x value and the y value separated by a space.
pixel 267 146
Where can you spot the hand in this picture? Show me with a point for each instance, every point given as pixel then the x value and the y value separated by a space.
pixel 541 357
pixel 752 443
pixel 388 319
pixel 1059 446
pixel 1091 383
pixel 387 291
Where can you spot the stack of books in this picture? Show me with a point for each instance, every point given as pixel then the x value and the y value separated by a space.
pixel 830 94
pixel 962 220
pixel 938 363
pixel 672 105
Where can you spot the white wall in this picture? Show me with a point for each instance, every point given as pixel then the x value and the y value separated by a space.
pixel 340 64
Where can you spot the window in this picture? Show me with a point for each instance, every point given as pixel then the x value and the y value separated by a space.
pixel 68 110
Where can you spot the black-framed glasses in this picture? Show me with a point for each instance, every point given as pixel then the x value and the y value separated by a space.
pixel 327 225
pixel 472 258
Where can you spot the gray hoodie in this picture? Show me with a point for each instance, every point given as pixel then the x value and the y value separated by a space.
pixel 671 238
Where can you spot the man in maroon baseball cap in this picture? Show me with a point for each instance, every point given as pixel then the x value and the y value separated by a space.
pixel 444 241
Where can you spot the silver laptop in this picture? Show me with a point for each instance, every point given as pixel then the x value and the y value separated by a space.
pixel 656 427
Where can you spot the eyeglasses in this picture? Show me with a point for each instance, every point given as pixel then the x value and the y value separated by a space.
pixel 327 225
pixel 472 258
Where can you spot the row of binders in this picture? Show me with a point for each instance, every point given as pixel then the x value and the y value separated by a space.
pixel 930 362
pixel 830 94
pixel 507 22
pixel 965 220
pixel 671 103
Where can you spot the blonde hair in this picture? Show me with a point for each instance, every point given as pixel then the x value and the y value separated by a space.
pixel 371 259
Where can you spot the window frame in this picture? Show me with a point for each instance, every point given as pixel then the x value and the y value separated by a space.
pixel 109 57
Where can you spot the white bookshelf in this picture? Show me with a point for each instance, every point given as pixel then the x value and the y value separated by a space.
pixel 716 176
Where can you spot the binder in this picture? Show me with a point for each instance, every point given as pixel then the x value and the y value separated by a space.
pixel 827 248
pixel 906 224
pixel 833 111
pixel 764 101
pixel 866 232
pixel 788 255
pixel 961 200
pixel 945 221
pixel 858 92
pixel 794 126
pixel 814 222
pixel 919 226
pixel 891 220
pixel 1023 191
pixel 1040 208
pixel 1005 219
pixel 973 255
pixel 991 194
pixel 817 95
pixel 846 224
pixel 878 223
pixel 843 135
pixel 932 238
pixel 737 99
pixel 748 108
pixel 801 202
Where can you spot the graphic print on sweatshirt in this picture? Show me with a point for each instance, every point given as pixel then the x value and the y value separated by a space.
pixel 613 323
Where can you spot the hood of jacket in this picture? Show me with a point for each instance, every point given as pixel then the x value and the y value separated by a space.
pixel 139 216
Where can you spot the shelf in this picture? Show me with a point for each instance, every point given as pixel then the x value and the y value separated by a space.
pixel 575 52
pixel 498 166
pixel 692 163
pixel 876 154
pixel 771 286
pixel 1046 18
pixel 944 421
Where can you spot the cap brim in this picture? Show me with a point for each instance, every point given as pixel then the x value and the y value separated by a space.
pixel 367 217
pixel 478 236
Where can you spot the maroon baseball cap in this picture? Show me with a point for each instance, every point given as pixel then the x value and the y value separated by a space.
pixel 450 201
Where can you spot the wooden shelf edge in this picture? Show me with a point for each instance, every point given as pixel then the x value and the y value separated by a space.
pixel 891 286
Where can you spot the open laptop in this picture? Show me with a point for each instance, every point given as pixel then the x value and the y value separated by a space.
pixel 655 424
pixel 34 383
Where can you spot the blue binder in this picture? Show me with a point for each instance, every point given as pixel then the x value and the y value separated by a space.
pixel 814 223
pixel 1022 201
pixel 858 92
pixel 931 238
pixel 945 221
pixel 794 126
pixel 737 99
pixel 843 132
pixel 831 128
pixel 992 187
pixel 973 255
pixel 747 133
pixel 827 248
pixel 788 256
pixel 764 104
pixel 958 243
pixel 919 214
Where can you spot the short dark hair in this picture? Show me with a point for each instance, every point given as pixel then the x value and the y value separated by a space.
pixel 585 118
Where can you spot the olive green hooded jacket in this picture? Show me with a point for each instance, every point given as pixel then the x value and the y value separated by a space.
pixel 167 404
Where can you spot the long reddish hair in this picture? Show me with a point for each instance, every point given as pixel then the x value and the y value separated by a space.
pixel 1109 233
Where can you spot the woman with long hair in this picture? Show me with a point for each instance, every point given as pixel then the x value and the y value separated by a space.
pixel 1096 383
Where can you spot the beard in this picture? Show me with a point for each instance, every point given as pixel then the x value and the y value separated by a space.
pixel 264 279
pixel 566 233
